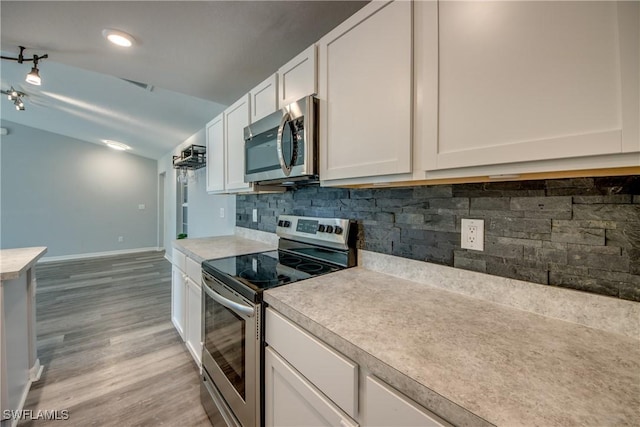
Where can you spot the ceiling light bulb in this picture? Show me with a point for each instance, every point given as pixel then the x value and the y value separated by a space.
pixel 116 145
pixel 34 77
pixel 119 38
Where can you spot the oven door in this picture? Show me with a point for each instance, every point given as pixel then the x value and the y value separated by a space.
pixel 231 348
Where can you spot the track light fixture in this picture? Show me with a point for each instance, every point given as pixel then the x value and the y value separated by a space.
pixel 34 75
pixel 16 97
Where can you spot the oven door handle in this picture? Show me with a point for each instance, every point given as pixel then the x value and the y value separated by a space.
pixel 242 309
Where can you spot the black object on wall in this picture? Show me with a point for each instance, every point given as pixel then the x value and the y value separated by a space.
pixel 581 233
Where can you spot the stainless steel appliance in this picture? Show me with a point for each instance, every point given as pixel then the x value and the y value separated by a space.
pixel 282 147
pixel 232 389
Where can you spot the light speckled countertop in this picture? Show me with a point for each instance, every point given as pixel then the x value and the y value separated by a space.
pixel 200 249
pixel 14 262
pixel 448 352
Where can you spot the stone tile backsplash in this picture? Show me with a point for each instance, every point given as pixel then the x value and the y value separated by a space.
pixel 579 233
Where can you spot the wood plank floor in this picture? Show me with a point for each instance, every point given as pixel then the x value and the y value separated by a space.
pixel 111 354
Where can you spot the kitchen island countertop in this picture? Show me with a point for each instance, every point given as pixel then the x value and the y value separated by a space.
pixel 471 361
pixel 14 262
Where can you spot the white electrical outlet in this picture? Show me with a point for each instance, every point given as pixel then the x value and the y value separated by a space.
pixel 141 207
pixel 473 234
pixel 221 212
pixel 255 215
pixel 120 239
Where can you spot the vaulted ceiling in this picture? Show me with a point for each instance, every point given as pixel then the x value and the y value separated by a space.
pixel 190 60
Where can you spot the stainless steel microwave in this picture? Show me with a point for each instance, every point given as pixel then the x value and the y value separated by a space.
pixel 282 148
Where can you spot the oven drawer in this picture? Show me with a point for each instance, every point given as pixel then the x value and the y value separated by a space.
pixel 332 373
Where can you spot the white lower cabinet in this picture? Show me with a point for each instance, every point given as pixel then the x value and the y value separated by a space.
pixel 178 299
pixel 193 328
pixel 308 383
pixel 291 400
pixel 186 303
pixel 383 406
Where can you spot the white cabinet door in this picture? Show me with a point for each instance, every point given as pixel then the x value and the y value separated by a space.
pixel 291 400
pixel 365 91
pixel 178 299
pixel 193 319
pixel 236 118
pixel 526 81
pixel 298 77
pixel 329 371
pixel 386 407
pixel 215 154
pixel 425 67
pixel 264 98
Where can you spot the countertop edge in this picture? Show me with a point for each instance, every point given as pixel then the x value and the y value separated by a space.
pixel 38 252
pixel 445 408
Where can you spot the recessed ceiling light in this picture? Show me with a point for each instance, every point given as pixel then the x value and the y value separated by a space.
pixel 118 37
pixel 116 145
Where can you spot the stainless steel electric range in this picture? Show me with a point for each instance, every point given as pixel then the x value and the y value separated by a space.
pixel 232 386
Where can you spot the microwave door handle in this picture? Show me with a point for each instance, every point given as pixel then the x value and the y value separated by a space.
pixel 231 305
pixel 286 169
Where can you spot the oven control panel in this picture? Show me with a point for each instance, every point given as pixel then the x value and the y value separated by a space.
pixel 328 231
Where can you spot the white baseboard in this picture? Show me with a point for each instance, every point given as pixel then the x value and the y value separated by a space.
pixel 97 254
pixel 36 371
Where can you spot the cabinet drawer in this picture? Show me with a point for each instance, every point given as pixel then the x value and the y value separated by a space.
pixel 384 406
pixel 179 259
pixel 332 373
pixel 194 270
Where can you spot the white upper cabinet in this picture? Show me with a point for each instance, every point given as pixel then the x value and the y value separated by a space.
pixel 365 91
pixel 215 154
pixel 236 118
pixel 225 149
pixel 264 98
pixel 528 81
pixel 298 77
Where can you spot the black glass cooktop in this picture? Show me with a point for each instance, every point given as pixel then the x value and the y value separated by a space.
pixel 265 270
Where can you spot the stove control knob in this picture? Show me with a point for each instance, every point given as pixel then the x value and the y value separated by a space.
pixel 338 230
pixel 287 224
pixel 321 228
pixel 329 229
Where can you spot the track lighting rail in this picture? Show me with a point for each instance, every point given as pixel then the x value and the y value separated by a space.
pixel 20 59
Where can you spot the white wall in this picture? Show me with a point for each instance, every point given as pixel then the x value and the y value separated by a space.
pixel 73 196
pixel 204 209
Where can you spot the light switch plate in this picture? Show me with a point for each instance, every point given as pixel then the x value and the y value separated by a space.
pixel 473 234
pixel 255 215
pixel 221 212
